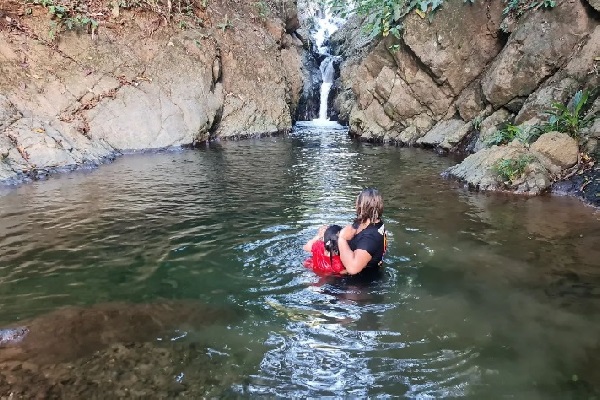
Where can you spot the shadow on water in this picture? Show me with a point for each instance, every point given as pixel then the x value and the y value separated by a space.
pixel 180 274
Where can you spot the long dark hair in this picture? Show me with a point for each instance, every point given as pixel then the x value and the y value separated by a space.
pixel 330 238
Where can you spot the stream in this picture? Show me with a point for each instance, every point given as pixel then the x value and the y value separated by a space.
pixel 481 295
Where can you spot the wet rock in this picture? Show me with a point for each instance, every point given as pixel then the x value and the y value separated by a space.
pixel 7 174
pixel 539 46
pixel 446 134
pixel 559 147
pixel 585 185
pixel 479 171
pixel 12 335
pixel 128 370
pixel 117 350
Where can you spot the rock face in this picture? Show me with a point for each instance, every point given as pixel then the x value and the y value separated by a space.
pixel 458 80
pixel 415 86
pixel 139 84
pixel 536 50
pixel 453 53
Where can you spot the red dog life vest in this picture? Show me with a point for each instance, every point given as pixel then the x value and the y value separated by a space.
pixel 322 264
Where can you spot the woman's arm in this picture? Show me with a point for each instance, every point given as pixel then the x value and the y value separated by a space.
pixel 319 236
pixel 354 261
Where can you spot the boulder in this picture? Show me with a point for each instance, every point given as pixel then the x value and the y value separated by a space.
pixel 559 147
pixel 446 134
pixel 540 45
pixel 479 170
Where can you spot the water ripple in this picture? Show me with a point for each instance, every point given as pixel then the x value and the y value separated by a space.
pixel 479 295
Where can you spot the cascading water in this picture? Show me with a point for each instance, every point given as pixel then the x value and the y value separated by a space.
pixel 327 73
pixel 326 26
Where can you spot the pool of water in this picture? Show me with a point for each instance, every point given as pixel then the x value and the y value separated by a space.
pixel 482 295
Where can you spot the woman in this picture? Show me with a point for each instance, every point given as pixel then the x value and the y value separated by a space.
pixel 363 244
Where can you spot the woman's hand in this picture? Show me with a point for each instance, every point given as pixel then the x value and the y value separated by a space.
pixel 319 236
pixel 321 231
pixel 347 233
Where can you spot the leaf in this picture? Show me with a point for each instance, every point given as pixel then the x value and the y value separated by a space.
pixel 39 130
pixel 420 13
pixel 579 100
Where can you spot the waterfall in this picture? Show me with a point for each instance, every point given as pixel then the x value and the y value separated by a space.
pixel 327 73
pixel 320 64
pixel 327 25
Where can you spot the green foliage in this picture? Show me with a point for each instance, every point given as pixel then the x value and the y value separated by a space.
pixel 383 17
pixel 510 169
pixel 519 7
pixel 504 135
pixel 263 9
pixel 67 18
pixel 509 132
pixel 569 118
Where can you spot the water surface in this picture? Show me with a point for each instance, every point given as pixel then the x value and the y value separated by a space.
pixel 482 295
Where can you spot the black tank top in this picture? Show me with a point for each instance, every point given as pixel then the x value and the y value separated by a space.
pixel 371 239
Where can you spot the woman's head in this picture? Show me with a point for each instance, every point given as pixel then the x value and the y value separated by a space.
pixel 369 205
pixel 330 238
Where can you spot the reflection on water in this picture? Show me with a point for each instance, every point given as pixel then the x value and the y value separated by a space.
pixel 482 295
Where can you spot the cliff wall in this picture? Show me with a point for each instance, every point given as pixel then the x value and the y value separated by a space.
pixel 145 75
pixel 453 81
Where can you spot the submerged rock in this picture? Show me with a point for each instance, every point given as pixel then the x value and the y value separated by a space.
pixel 585 185
pixel 117 350
pixel 70 333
